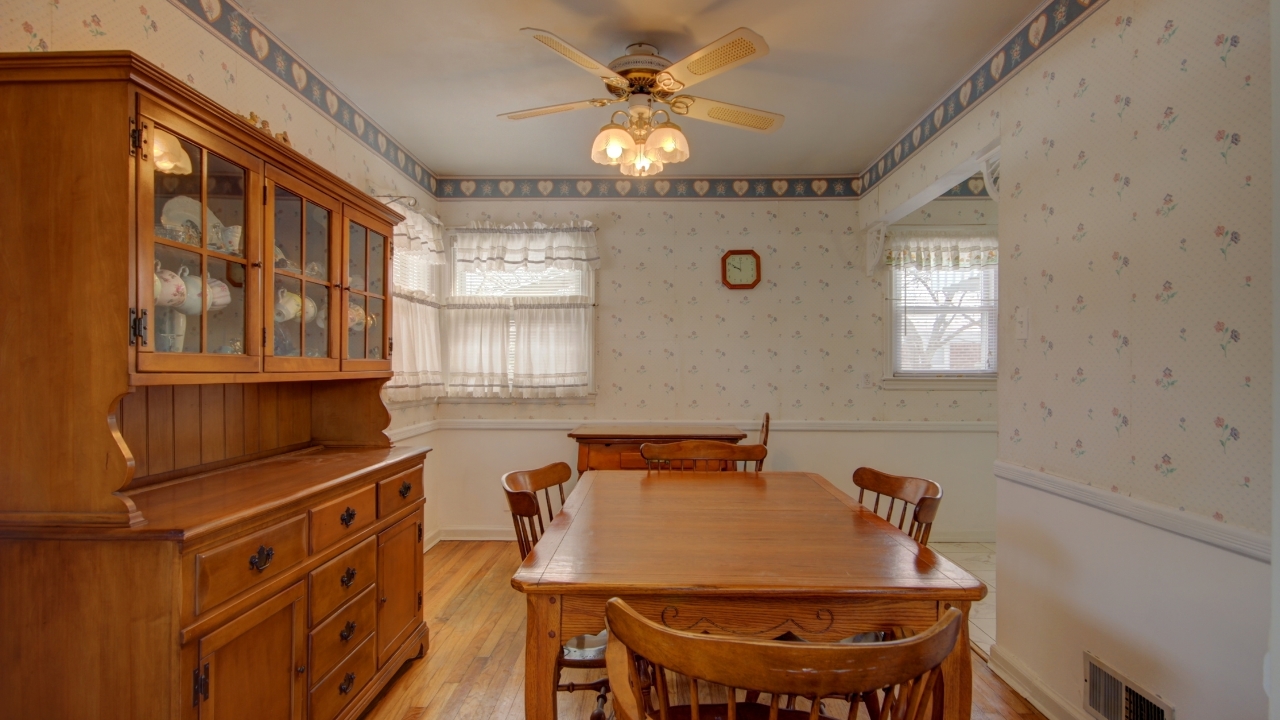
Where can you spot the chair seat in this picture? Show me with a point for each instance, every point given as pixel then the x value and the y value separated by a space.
pixel 746 711
pixel 585 651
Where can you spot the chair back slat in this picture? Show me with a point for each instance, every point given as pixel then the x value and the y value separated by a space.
pixel 924 495
pixel 898 679
pixel 763 440
pixel 521 488
pixel 702 455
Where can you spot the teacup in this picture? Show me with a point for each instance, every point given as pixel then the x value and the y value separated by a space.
pixel 355 316
pixel 193 303
pixel 219 295
pixel 170 291
pixel 288 305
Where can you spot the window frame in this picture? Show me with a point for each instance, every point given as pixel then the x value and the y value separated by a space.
pixel 890 378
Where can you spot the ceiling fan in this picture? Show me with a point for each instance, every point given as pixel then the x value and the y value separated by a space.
pixel 640 145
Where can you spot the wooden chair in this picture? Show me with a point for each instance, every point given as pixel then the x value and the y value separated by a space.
pixel 764 440
pixel 521 488
pixel 896 680
pixel 705 455
pixel 925 495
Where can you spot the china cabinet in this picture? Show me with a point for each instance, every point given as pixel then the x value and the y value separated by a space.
pixel 200 515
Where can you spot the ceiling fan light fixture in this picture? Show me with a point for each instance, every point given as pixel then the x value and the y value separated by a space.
pixel 668 144
pixel 613 146
pixel 642 165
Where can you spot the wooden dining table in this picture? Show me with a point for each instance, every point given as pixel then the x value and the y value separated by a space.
pixel 748 554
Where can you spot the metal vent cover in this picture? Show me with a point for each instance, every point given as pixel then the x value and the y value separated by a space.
pixel 1109 695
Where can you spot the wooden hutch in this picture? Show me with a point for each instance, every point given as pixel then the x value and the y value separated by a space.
pixel 200 514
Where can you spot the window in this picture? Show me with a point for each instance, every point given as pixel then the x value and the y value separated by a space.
pixel 944 304
pixel 520 320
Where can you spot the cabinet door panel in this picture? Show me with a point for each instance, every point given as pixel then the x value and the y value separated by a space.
pixel 255 666
pixel 303 242
pixel 399 584
pixel 198 247
pixel 368 282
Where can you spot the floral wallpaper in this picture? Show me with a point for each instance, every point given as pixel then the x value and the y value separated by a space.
pixel 673 343
pixel 168 37
pixel 1135 230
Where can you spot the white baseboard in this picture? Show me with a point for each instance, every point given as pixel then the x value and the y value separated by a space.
pixel 1028 685
pixel 479 533
pixel 431 539
pixel 963 536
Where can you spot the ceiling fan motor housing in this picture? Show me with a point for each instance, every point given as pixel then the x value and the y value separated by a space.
pixel 639 66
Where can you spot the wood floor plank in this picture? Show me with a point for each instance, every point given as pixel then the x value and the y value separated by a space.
pixel 475 665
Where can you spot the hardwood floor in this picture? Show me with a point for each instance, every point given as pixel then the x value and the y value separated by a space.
pixel 475 668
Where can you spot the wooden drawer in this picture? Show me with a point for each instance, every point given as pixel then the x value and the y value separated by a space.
pixel 342 578
pixel 399 492
pixel 345 682
pixel 344 630
pixel 343 517
pixel 227 571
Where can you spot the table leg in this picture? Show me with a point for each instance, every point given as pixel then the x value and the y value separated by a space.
pixel 584 455
pixel 541 653
pixel 957 672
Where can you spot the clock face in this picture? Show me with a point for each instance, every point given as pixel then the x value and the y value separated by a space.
pixel 741 269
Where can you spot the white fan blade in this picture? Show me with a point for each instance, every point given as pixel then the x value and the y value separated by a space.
pixel 737 48
pixel 552 109
pixel 558 45
pixel 725 114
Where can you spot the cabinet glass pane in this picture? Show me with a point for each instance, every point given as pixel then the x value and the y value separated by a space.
pixel 288 231
pixel 373 328
pixel 288 316
pixel 377 246
pixel 226 306
pixel 355 326
pixel 177 291
pixel 178 171
pixel 316 318
pixel 317 242
pixel 224 223
pixel 355 252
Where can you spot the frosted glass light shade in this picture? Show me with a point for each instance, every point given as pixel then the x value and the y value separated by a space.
pixel 668 144
pixel 168 155
pixel 642 165
pixel 613 146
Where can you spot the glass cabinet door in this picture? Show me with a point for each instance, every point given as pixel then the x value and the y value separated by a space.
pixel 366 344
pixel 303 229
pixel 198 249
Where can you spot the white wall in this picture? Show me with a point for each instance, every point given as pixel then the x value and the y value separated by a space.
pixel 1180 617
pixel 469 457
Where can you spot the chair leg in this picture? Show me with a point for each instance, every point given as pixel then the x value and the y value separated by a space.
pixel 601 699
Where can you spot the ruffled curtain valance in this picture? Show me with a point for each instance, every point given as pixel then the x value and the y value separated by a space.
pixel 419 234
pixel 485 246
pixel 929 248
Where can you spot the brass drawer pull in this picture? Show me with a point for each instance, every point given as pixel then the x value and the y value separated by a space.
pixel 348 577
pixel 347 681
pixel 263 558
pixel 348 631
pixel 348 516
pixel 405 489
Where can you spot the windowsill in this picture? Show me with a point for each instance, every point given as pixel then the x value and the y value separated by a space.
pixel 925 382
pixel 583 400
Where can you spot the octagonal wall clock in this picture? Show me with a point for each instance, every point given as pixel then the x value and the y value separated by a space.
pixel 740 269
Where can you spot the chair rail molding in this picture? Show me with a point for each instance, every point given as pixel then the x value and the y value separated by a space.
pixel 1238 540
pixel 752 425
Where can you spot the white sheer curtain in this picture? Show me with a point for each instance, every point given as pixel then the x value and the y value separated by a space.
pixel 416 364
pixel 926 247
pixel 479 337
pixel 485 246
pixel 553 346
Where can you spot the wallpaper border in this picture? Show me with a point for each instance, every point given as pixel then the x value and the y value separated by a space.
pixel 251 39
pixel 1234 539
pixel 668 188
pixel 1049 22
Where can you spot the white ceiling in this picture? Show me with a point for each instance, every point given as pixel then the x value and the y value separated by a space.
pixel 850 75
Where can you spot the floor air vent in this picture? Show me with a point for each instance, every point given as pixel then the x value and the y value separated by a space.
pixel 1111 696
